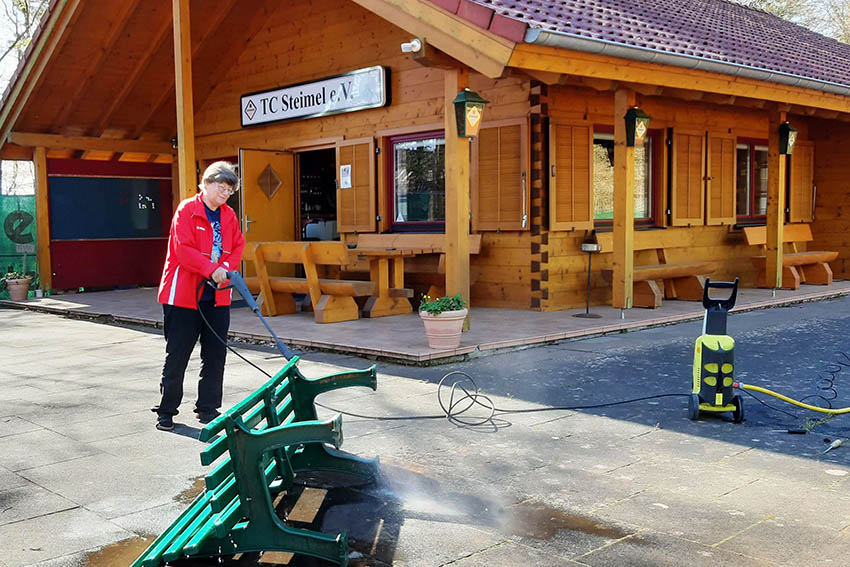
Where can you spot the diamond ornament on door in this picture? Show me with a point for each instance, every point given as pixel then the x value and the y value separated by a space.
pixel 269 181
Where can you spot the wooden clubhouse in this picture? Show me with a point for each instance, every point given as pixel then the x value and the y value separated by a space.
pixel 341 114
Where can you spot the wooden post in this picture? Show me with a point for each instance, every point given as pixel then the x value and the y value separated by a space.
pixel 42 218
pixel 185 109
pixel 775 202
pixel 624 204
pixel 457 191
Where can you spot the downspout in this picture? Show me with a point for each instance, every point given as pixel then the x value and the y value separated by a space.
pixel 563 40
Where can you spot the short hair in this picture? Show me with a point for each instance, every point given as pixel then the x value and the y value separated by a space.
pixel 220 172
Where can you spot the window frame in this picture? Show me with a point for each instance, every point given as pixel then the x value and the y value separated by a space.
pixel 752 218
pixel 389 171
pixel 656 159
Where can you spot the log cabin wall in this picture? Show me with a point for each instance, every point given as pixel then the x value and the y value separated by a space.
pixel 721 243
pixel 304 41
pixel 831 226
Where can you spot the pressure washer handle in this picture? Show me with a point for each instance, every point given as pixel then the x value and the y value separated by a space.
pixel 727 303
pixel 238 283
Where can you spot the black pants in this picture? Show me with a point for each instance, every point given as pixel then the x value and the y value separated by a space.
pixel 182 328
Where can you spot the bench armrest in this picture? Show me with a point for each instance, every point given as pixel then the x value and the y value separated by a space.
pixel 305 389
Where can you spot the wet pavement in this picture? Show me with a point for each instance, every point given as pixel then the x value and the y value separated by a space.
pixel 86 480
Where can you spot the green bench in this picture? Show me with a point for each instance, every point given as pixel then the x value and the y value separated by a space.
pixel 260 444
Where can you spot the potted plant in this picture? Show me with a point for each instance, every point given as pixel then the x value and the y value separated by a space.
pixel 18 284
pixel 443 318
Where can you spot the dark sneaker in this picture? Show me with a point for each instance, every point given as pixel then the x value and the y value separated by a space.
pixel 206 416
pixel 165 423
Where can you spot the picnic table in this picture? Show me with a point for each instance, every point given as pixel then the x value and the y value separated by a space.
pixel 386 271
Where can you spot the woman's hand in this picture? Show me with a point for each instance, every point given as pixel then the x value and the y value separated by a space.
pixel 219 276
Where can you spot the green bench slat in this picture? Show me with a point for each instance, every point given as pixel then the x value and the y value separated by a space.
pixel 152 557
pixel 175 550
pixel 215 427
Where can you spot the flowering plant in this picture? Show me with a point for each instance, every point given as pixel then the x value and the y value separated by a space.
pixel 440 304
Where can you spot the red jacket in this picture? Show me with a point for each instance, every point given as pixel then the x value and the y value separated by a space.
pixel 188 261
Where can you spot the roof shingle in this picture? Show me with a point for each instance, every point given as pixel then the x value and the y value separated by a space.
pixel 716 30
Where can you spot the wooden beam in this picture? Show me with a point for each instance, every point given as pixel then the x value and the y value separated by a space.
pixel 212 34
pixel 722 99
pixel 542 58
pixel 185 109
pixel 480 49
pixel 430 56
pixel 53 34
pixel 457 190
pixel 82 87
pixel 624 204
pixel 42 219
pixel 89 143
pixel 775 202
pixel 545 77
pixel 684 94
pixel 601 85
pixel 132 80
pixel 645 90
pixel 15 152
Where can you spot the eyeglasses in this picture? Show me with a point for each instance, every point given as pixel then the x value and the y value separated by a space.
pixel 223 188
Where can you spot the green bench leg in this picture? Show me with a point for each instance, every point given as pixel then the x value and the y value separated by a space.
pixel 319 457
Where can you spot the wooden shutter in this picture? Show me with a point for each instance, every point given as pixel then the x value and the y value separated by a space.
pixel 355 205
pixel 688 173
pixel 720 185
pixel 570 177
pixel 500 187
pixel 802 182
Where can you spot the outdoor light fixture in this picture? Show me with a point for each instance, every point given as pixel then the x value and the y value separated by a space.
pixel 637 125
pixel 787 139
pixel 469 110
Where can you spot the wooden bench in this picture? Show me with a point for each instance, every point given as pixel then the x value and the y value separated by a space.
pixel 332 300
pixel 426 269
pixel 260 445
pixel 813 266
pixel 680 280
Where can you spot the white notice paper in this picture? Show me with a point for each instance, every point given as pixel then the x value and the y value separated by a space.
pixel 345 176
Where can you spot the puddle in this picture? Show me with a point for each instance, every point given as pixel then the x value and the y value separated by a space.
pixel 538 521
pixel 192 492
pixel 120 553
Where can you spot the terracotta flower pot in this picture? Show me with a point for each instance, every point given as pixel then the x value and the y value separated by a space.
pixel 18 289
pixel 443 330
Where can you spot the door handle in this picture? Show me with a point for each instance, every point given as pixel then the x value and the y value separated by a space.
pixel 248 222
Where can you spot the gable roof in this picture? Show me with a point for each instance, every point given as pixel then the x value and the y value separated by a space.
pixel 673 31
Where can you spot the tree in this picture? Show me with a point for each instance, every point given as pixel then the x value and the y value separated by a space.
pixel 21 19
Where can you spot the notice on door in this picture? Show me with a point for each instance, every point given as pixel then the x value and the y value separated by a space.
pixel 345 176
pixel 357 90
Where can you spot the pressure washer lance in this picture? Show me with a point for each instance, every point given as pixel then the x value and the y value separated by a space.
pixel 714 354
pixel 238 283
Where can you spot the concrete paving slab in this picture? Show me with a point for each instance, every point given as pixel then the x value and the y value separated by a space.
pixel 652 549
pixel 513 553
pixel 32 449
pixel 10 480
pixel 11 425
pixel 791 542
pixel 30 501
pixel 56 535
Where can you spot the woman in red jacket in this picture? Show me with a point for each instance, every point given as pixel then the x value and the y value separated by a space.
pixel 204 244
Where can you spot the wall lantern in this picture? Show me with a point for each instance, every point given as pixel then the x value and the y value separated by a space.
pixel 637 125
pixel 469 110
pixel 787 139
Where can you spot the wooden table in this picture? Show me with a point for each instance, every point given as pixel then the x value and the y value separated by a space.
pixel 386 270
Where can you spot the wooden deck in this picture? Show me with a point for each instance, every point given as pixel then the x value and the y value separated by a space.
pixel 401 339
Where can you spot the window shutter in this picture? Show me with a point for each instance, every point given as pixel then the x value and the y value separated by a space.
pixel 802 182
pixel 720 185
pixel 355 205
pixel 570 177
pixel 500 193
pixel 688 173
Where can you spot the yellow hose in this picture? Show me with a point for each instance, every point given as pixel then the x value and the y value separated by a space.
pixel 794 402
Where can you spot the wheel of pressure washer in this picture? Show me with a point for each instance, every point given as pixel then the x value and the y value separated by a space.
pixel 693 407
pixel 738 413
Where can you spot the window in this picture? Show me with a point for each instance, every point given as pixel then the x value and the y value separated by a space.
pixel 603 176
pixel 418 174
pixel 751 180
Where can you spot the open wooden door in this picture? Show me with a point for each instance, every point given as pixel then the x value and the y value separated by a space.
pixel 269 208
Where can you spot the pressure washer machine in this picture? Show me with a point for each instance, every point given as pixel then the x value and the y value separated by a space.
pixel 714 358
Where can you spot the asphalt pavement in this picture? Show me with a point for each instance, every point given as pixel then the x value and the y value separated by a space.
pixel 86 479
